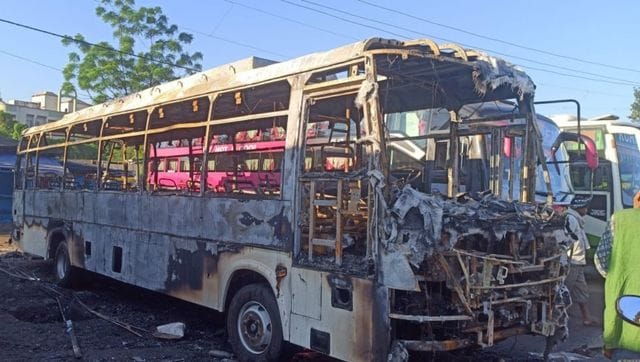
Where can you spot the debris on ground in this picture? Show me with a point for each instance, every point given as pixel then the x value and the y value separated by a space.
pixel 170 331
pixel 123 325
pixel 588 350
pixel 561 356
pixel 220 354
pixel 69 329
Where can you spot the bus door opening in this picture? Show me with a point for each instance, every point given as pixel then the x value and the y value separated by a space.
pixel 334 206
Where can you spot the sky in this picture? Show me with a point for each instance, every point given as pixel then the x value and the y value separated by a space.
pixel 584 50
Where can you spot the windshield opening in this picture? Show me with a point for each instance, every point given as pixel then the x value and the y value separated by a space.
pixel 418 148
pixel 628 166
pixel 559 171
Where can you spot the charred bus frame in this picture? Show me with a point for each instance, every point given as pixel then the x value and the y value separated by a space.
pixel 345 258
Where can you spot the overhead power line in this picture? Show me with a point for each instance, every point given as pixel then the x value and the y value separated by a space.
pixel 69 38
pixel 80 95
pixel 612 80
pixel 224 16
pixel 236 43
pixel 617 81
pixel 586 91
pixel 307 25
pixel 30 60
pixel 344 19
pixel 580 77
pixel 541 51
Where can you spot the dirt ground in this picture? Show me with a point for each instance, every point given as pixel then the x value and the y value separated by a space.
pixel 31 325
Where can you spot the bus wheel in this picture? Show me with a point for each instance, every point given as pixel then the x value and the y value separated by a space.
pixel 253 324
pixel 62 266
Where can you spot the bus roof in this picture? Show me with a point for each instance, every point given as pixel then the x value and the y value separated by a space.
pixel 488 73
pixel 571 123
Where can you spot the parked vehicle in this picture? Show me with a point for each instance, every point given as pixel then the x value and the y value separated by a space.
pixel 291 210
pixel 617 177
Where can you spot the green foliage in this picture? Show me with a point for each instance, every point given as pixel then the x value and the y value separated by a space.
pixel 116 149
pixel 4 126
pixel 17 130
pixel 85 151
pixel 109 71
pixel 9 127
pixel 635 106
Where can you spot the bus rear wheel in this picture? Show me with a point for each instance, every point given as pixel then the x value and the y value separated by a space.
pixel 62 268
pixel 253 324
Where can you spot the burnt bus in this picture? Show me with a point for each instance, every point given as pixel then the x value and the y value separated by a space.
pixel 330 238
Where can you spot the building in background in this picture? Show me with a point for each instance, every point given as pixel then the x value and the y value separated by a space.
pixel 42 108
pixel 49 101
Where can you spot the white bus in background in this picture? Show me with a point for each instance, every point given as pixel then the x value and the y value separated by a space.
pixel 617 177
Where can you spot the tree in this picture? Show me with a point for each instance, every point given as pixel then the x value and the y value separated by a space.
pixel 9 127
pixel 148 51
pixel 635 106
pixel 5 127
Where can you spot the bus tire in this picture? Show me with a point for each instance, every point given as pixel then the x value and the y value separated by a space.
pixel 62 269
pixel 253 324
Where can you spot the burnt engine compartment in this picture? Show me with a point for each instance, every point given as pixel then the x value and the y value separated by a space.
pixel 461 271
pixel 484 269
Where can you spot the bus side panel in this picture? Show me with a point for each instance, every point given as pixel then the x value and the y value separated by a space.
pixel 18 207
pixel 599 212
pixel 164 243
pixel 41 213
pixel 354 331
pixel 178 266
pixel 248 221
pixel 186 268
pixel 256 222
pixel 34 236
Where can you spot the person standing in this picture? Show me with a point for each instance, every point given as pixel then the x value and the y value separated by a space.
pixel 620 267
pixel 577 253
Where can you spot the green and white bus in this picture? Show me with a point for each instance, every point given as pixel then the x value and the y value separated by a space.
pixel 617 177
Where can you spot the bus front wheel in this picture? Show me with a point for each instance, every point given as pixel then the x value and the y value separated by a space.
pixel 62 266
pixel 253 324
